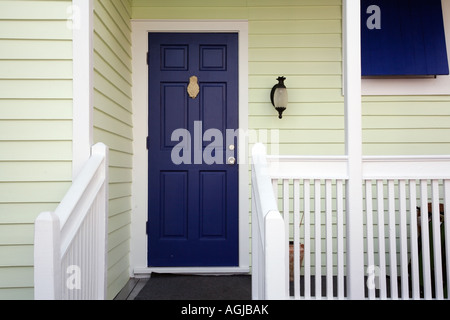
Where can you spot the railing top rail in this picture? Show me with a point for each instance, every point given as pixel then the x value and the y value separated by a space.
pixel 80 184
pixel 339 158
pixel 300 158
pixel 406 167
pixel 308 167
pixel 374 167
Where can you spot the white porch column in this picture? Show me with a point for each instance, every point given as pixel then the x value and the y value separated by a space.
pixel 353 124
pixel 81 21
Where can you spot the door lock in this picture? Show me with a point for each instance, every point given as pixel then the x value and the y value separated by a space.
pixel 231 160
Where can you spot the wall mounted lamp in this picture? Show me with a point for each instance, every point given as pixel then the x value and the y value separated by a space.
pixel 279 96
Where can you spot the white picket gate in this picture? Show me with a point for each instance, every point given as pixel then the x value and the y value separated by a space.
pixel 70 244
pixel 401 260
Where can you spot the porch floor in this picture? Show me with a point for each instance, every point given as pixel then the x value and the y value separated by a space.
pixel 192 287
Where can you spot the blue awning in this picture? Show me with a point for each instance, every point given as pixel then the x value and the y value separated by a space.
pixel 403 38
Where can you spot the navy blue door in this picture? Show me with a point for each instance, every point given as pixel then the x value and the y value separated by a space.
pixel 193 189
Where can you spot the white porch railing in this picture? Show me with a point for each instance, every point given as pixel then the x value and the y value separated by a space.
pixel 70 243
pixel 405 257
pixel 268 254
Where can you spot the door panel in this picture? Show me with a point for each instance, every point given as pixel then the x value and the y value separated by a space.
pixel 193 203
pixel 174 205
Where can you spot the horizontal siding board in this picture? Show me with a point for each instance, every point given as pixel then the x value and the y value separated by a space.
pixel 16 255
pixel 295 41
pixel 118 221
pixel 36 69
pixel 311 136
pixel 15 213
pixel 118 190
pixel 109 41
pixel 113 141
pixel 36 150
pixel 307 148
pixel 22 109
pixel 118 275
pixel 35 49
pixel 122 10
pixel 35 171
pixel 120 175
pixel 406 136
pixel 16 277
pixel 108 71
pixel 298 109
pixel 116 255
pixel 119 205
pixel 30 30
pixel 193 3
pixel 299 12
pixel 34 10
pixel 36 89
pixel 104 50
pixel 403 108
pixel 118 236
pixel 181 12
pixel 22 192
pixel 120 159
pixel 26 293
pixel 16 234
pixel 290 3
pixel 285 27
pixel 295 54
pixel 295 122
pixel 297 82
pixel 108 15
pixel 299 96
pixel 125 9
pixel 296 68
pixel 107 105
pixel 109 89
pixel 30 130
pixel 406 122
pixel 112 124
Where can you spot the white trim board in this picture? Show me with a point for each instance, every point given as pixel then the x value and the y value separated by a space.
pixel 83 82
pixel 140 30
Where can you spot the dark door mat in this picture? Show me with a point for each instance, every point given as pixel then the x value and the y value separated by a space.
pixel 195 287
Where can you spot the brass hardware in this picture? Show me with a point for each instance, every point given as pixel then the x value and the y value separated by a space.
pixel 193 88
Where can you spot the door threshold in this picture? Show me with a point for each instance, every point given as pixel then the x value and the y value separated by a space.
pixel 192 270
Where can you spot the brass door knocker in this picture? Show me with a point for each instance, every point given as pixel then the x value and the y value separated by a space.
pixel 193 88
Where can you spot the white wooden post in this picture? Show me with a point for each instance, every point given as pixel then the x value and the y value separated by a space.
pixel 353 124
pixel 102 228
pixel 47 270
pixel 83 77
pixel 275 257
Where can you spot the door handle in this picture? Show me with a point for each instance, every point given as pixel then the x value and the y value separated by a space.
pixel 231 160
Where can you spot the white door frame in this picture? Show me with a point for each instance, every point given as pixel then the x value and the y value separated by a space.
pixel 140 30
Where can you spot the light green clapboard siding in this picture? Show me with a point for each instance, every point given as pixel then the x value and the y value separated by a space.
pixel 406 125
pixel 113 126
pixel 35 129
